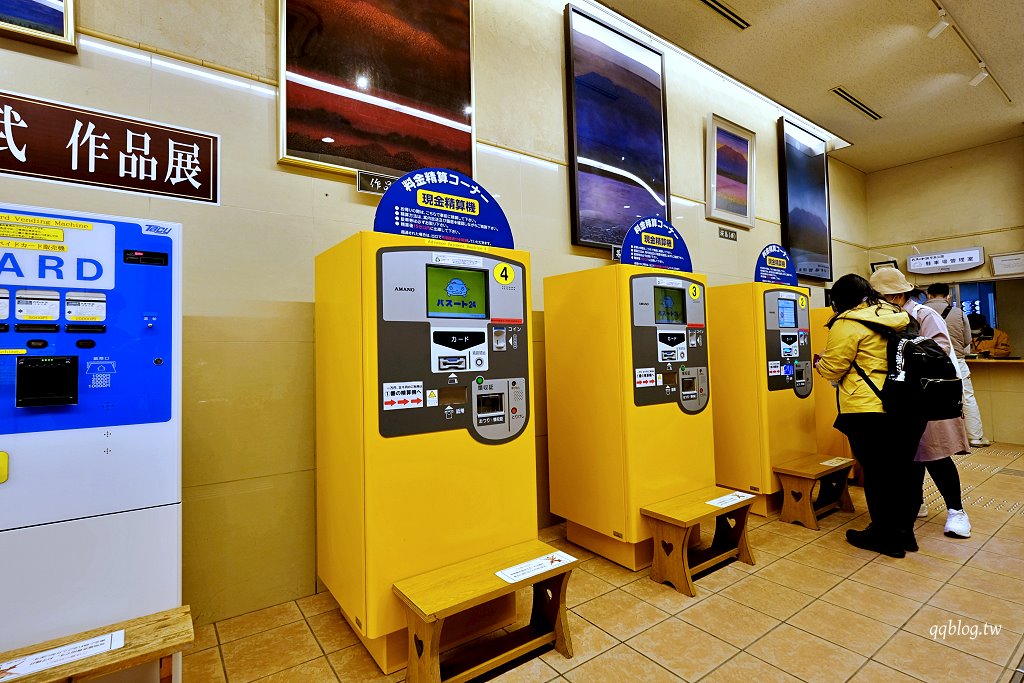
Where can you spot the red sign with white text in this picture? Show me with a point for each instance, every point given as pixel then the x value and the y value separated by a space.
pixel 58 142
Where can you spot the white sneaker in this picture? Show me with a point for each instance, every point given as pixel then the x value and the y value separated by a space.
pixel 957 524
pixel 980 443
pixel 923 512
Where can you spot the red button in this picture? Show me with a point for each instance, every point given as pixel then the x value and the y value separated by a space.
pixel 514 411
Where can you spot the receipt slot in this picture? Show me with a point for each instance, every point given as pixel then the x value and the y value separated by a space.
pixel 629 401
pixel 763 380
pixel 425 441
pixel 90 395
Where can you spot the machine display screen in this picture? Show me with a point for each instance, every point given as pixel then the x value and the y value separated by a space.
pixel 787 313
pixel 668 306
pixel 46 381
pixel 456 293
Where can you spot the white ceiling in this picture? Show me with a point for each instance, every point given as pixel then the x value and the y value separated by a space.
pixel 796 51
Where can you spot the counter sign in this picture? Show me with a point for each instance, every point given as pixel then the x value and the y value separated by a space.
pixel 775 266
pixel 653 242
pixel 442 204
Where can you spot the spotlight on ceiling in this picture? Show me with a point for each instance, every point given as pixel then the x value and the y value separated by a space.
pixel 982 75
pixel 941 25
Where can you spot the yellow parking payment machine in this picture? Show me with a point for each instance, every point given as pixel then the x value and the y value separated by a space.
pixel 762 383
pixel 629 401
pixel 425 439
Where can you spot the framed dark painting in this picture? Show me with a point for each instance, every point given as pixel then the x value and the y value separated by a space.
pixel 617 131
pixel 46 22
pixel 376 85
pixel 803 196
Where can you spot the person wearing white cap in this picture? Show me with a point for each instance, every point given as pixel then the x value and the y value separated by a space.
pixel 942 438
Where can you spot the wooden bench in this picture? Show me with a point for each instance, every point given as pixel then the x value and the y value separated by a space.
pixel 430 598
pixel 798 478
pixel 157 636
pixel 674 523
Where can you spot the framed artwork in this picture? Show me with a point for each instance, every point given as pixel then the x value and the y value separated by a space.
pixel 803 196
pixel 883 264
pixel 617 131
pixel 47 22
pixel 729 173
pixel 376 85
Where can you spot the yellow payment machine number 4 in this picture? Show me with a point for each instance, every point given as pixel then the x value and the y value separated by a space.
pixel 425 443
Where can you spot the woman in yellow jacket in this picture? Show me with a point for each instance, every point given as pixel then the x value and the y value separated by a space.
pixel 883 444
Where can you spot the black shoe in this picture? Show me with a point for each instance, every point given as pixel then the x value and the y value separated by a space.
pixel 869 540
pixel 910 542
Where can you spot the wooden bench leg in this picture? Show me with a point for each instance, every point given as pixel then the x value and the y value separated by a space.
pixel 424 649
pixel 671 564
pixel 549 611
pixel 833 493
pixel 734 534
pixel 796 501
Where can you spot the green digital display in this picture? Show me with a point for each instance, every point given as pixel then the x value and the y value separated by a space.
pixel 456 293
pixel 668 306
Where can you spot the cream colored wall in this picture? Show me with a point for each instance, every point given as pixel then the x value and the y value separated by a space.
pixel 968 198
pixel 248 290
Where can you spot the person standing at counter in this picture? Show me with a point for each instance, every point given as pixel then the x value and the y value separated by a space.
pixel 960 337
pixel 942 438
pixel 986 341
pixel 883 444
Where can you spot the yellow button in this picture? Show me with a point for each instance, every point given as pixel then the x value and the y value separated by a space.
pixel 3 466
pixel 504 273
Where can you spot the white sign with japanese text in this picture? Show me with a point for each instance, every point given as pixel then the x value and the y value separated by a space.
pixel 23 666
pixel 947 261
pixel 534 567
pixel 402 395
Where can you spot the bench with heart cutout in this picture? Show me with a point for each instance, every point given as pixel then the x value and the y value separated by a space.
pixel 432 597
pixel 798 478
pixel 674 523
pixel 146 639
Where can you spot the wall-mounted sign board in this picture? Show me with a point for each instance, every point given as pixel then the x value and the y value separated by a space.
pixel 947 261
pixel 1008 264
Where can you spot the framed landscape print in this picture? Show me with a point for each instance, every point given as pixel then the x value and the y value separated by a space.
pixel 617 131
pixel 376 85
pixel 729 173
pixel 803 197
pixel 47 22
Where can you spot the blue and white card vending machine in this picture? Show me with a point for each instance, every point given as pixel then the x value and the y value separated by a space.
pixel 90 421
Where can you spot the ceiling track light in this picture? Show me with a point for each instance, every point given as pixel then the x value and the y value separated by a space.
pixel 946 20
pixel 941 25
pixel 982 75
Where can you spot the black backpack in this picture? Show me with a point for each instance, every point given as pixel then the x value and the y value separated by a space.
pixel 922 380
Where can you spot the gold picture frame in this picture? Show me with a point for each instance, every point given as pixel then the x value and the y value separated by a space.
pixel 311 32
pixel 38 21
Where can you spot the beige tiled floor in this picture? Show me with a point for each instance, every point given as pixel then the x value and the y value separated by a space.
pixel 812 609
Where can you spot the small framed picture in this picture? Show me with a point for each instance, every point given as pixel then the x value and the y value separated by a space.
pixel 883 264
pixel 46 22
pixel 729 173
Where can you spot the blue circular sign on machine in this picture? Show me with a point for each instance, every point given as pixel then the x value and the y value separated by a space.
pixel 655 243
pixel 775 266
pixel 442 204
